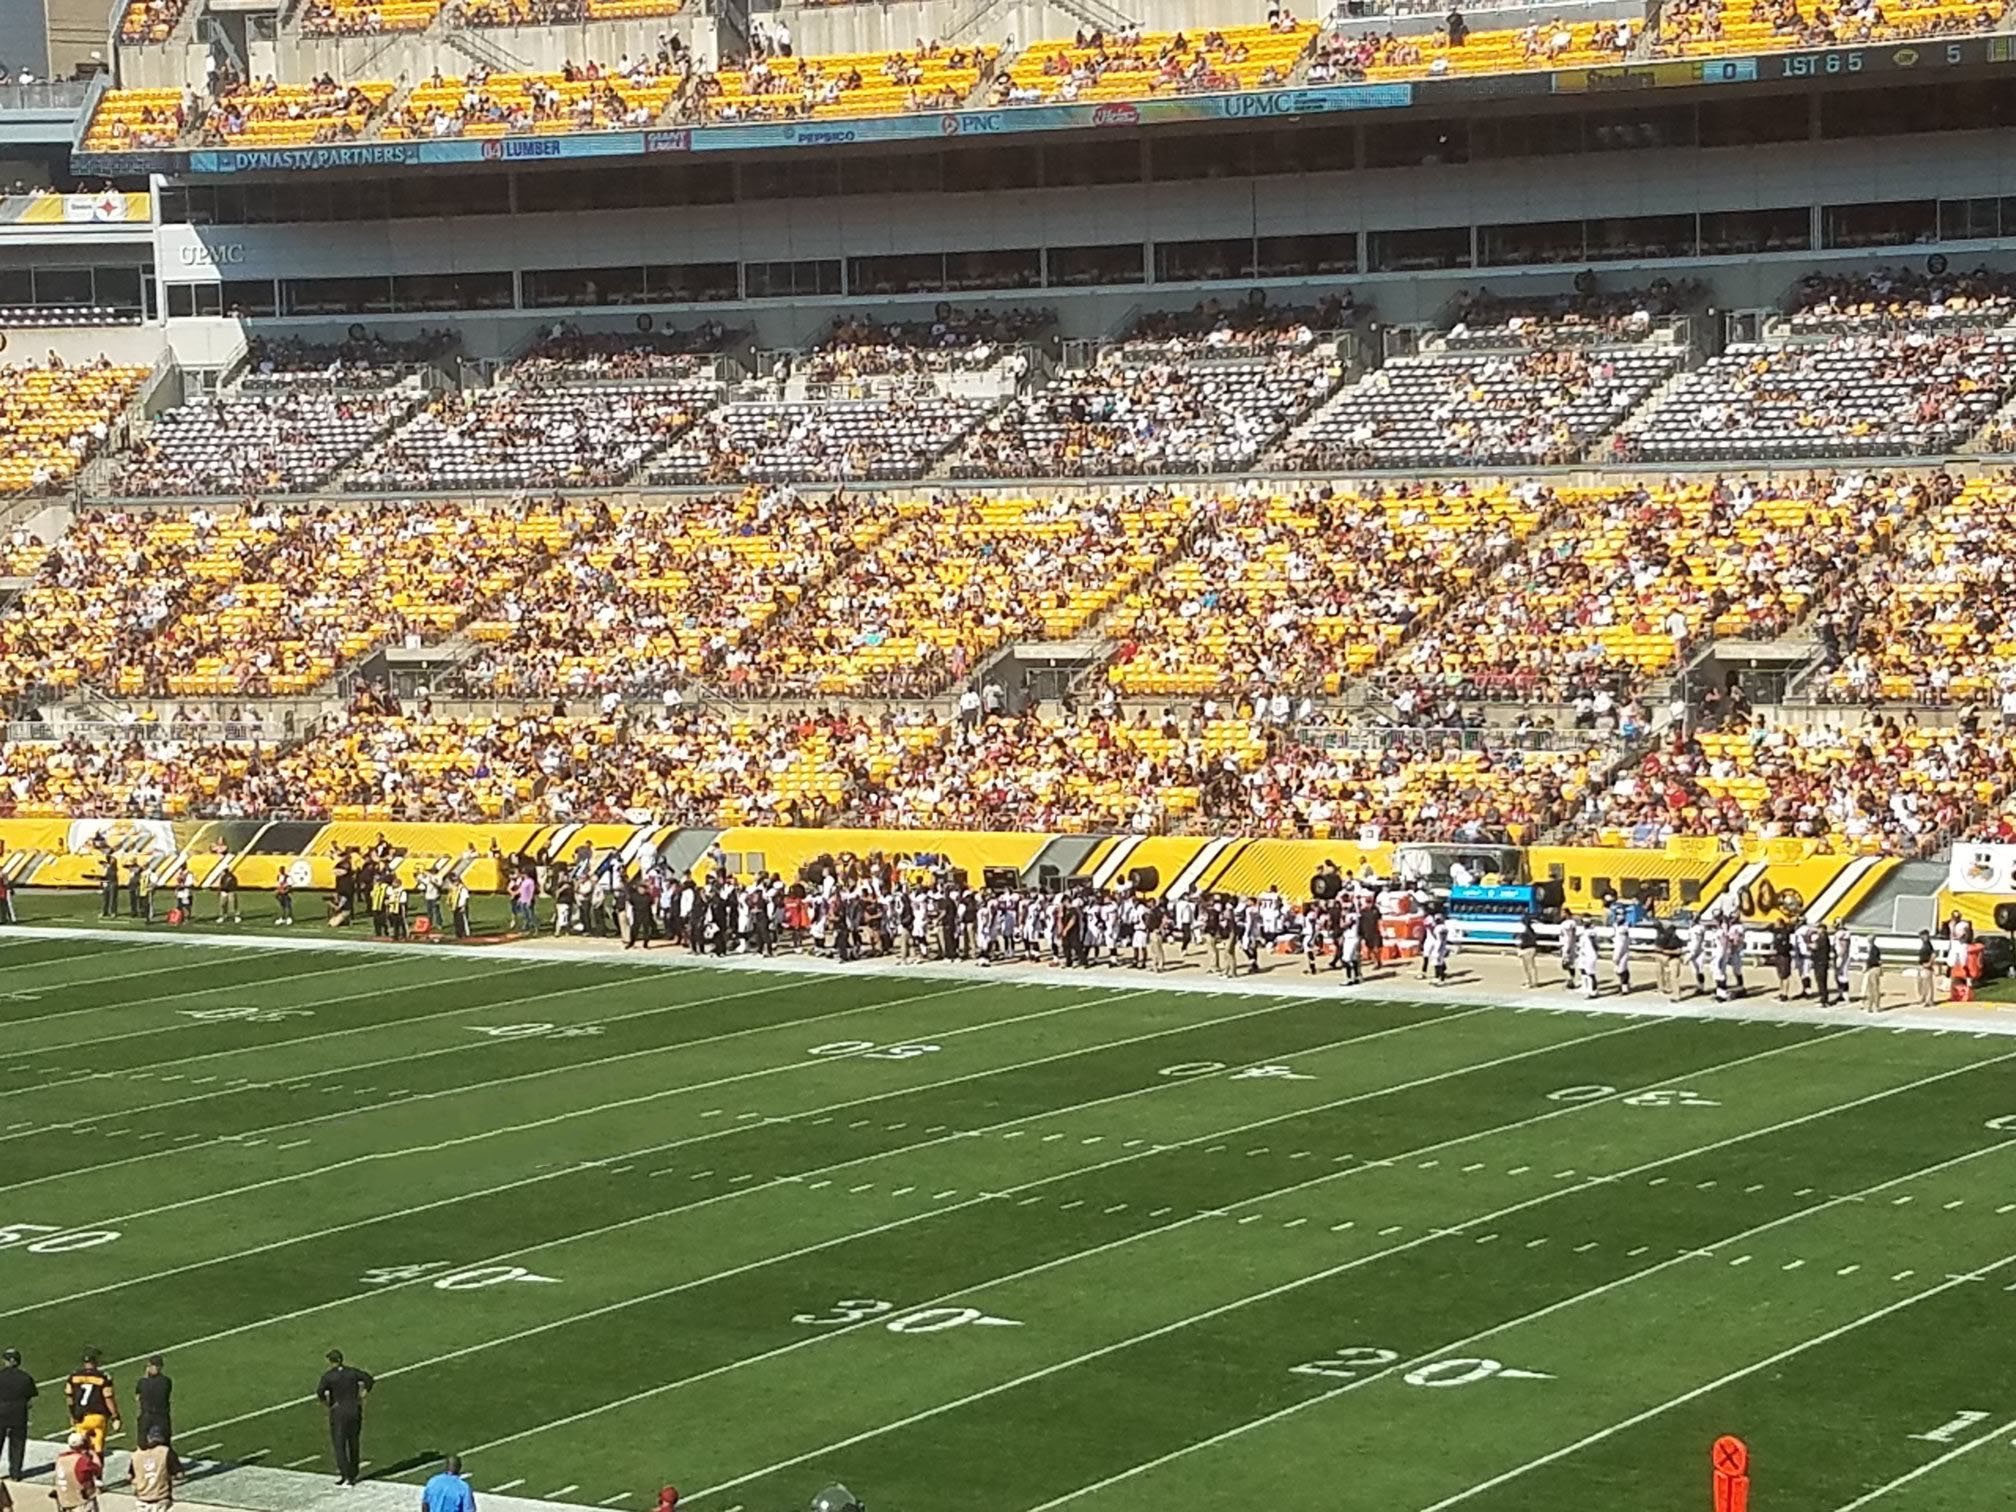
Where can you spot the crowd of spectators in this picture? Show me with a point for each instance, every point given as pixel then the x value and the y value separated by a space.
pixel 920 610
pixel 1927 617
pixel 149 20
pixel 1293 595
pixel 1211 770
pixel 1591 317
pixel 591 96
pixel 356 363
pixel 1129 63
pixel 680 766
pixel 774 84
pixel 819 440
pixel 1457 49
pixel 1908 297
pixel 952 339
pixel 656 600
pixel 1546 405
pixel 531 436
pixel 55 416
pixel 568 355
pixel 268 113
pixel 1626 581
pixel 1915 392
pixel 264 602
pixel 1130 415
pixel 128 119
pixel 1888 785
pixel 255 443
pixel 1691 28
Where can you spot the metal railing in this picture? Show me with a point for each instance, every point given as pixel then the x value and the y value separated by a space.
pixel 104 733
pixel 1376 737
pixel 62 94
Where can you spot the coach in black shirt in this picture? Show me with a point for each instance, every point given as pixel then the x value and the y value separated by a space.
pixel 342 1390
pixel 17 1389
pixel 152 1395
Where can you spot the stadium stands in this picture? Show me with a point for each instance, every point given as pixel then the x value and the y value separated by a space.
pixel 1581 318
pixel 954 341
pixel 132 118
pixel 665 598
pixel 54 417
pixel 959 577
pixel 685 766
pixel 256 443
pixel 1296 594
pixel 1627 581
pixel 1927 620
pixel 271 114
pixel 526 436
pixel 259 603
pixel 1706 28
pixel 150 20
pixel 1446 409
pixel 1887 786
pixel 585 97
pixel 1861 394
pixel 1134 64
pixel 1550 43
pixel 363 18
pixel 933 77
pixel 371 361
pixel 818 440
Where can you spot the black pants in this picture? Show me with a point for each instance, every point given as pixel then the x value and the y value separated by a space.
pixel 148 1425
pixel 345 1432
pixel 15 1437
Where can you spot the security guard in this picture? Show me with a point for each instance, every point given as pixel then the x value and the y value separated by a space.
pixel 151 1398
pixel 17 1390
pixel 93 1402
pixel 342 1390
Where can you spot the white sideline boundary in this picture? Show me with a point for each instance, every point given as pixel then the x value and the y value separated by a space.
pixel 225 1483
pixel 1285 980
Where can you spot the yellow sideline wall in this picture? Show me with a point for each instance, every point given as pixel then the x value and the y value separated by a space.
pixel 1765 879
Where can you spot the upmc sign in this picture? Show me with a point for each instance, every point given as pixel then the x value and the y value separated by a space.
pixel 1286 102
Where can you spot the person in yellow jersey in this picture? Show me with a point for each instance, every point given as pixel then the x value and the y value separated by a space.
pixel 94 1404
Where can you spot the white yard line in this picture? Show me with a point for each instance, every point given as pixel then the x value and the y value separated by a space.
pixel 245 1137
pixel 1190 979
pixel 920 1217
pixel 454 1091
pixel 577 1167
pixel 1928 1467
pixel 1177 1224
pixel 155 1031
pixel 717 1197
pixel 242 953
pixel 1445 1231
pixel 299 1039
pixel 1591 1439
pixel 1400 1367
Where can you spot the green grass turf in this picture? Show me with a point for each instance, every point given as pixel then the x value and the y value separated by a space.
pixel 1814 1249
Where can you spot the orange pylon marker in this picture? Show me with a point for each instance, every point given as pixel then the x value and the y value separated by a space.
pixel 1730 1459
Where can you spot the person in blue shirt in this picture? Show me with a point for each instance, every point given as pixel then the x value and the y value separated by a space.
pixel 446 1491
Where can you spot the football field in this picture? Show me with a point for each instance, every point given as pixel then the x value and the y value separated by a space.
pixel 960 1242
